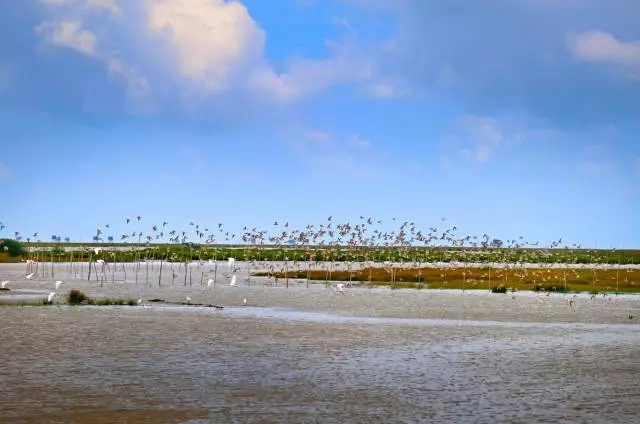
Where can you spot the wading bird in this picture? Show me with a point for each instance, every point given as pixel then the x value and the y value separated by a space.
pixel 58 283
pixel 4 284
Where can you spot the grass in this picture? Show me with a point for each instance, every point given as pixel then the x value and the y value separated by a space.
pixel 181 253
pixel 77 297
pixel 535 279
pixel 5 258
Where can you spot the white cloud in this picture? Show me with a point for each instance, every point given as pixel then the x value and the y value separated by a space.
pixel 204 49
pixel 326 155
pixel 56 2
pixel 71 34
pixel 108 5
pixel 68 34
pixel 212 38
pixel 602 47
pixel 478 138
pixel 358 142
pixel 219 46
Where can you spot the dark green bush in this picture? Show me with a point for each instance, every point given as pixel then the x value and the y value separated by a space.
pixel 13 247
pixel 76 297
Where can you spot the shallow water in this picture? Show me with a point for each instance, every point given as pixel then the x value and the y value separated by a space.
pixel 298 355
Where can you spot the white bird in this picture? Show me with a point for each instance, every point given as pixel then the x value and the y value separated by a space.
pixel 233 281
pixel 50 297
pixel 97 250
pixel 58 284
pixel 4 284
pixel 100 261
pixel 139 301
pixel 244 301
pixel 29 276
pixel 231 261
pixel 210 261
pixel 210 282
pixel 339 288
pixel 188 299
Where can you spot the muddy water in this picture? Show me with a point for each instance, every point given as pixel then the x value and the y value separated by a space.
pixel 298 355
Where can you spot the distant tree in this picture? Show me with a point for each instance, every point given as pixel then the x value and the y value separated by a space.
pixel 13 247
pixel 497 243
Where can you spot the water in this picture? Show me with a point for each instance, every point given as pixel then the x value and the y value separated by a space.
pixel 307 355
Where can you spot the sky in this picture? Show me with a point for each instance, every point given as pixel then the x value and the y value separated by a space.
pixel 505 117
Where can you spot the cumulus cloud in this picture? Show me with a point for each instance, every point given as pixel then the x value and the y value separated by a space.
pixel 328 155
pixel 203 48
pixel 220 47
pixel 602 47
pixel 478 55
pixel 106 5
pixel 68 34
pixel 211 39
pixel 72 34
pixel 479 138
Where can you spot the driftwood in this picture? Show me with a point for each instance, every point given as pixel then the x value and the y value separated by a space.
pixel 4 289
pixel 197 305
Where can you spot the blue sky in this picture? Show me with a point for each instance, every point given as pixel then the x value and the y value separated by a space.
pixel 512 118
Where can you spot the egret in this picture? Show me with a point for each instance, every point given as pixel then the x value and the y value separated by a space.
pixel 50 297
pixel 210 282
pixel 100 261
pixel 233 281
pixel 58 283
pixel 29 276
pixel 4 284
pixel 339 288
pixel 139 301
pixel 188 299
pixel 244 301
pixel 97 250
pixel 231 261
